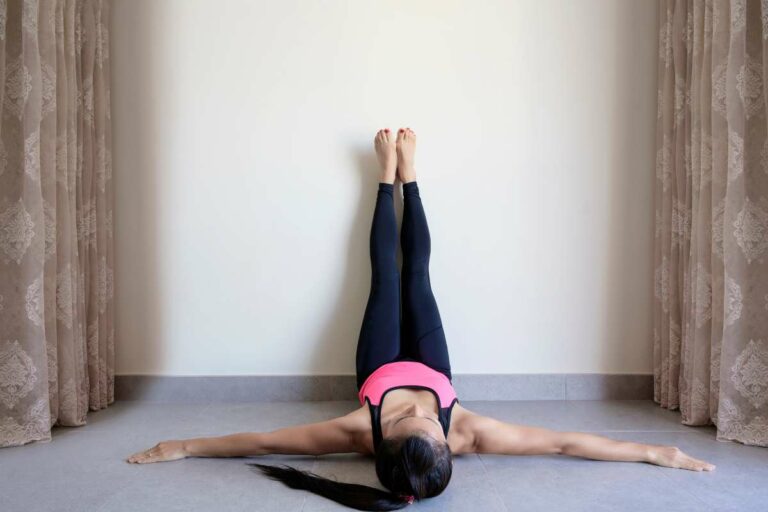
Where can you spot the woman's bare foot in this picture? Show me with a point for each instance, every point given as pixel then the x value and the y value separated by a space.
pixel 387 155
pixel 406 147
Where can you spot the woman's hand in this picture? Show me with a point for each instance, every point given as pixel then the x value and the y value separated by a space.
pixel 161 452
pixel 673 457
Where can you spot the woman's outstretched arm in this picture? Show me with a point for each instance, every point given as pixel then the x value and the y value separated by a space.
pixel 494 436
pixel 337 435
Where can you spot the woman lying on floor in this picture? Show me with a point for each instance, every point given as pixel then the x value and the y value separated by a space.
pixel 403 356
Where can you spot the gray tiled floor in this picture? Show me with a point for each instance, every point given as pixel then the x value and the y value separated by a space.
pixel 83 468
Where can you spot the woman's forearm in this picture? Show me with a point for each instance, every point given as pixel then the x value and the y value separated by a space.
pixel 602 448
pixel 233 445
pixel 330 436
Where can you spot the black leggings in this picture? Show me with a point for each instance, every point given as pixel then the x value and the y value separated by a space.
pixel 383 337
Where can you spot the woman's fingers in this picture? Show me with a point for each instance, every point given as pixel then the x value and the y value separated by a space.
pixel 674 457
pixel 137 457
pixel 164 451
pixel 148 455
pixel 682 460
pixel 696 464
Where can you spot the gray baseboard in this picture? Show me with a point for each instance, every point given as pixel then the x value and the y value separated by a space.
pixel 273 388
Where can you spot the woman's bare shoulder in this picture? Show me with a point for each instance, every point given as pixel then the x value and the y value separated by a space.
pixel 359 424
pixel 461 437
pixel 464 427
pixel 461 416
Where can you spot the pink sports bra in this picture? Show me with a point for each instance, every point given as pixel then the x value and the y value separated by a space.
pixel 406 374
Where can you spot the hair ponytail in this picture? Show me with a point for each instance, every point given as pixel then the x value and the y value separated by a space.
pixel 360 497
pixel 415 466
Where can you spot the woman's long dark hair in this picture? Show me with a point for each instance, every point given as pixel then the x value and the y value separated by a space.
pixel 414 466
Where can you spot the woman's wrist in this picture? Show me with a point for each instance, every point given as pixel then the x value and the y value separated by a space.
pixel 651 454
pixel 187 447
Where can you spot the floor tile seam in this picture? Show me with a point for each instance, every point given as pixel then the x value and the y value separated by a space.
pixel 94 429
pixel 702 433
pixel 646 431
pixel 352 400
pixel 493 485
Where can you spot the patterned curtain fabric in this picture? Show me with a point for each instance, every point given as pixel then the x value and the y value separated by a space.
pixel 56 249
pixel 711 244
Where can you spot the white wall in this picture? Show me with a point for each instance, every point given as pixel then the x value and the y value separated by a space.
pixel 245 179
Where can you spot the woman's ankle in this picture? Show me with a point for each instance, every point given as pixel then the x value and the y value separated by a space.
pixel 411 188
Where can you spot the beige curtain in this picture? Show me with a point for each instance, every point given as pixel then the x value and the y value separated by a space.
pixel 711 244
pixel 56 249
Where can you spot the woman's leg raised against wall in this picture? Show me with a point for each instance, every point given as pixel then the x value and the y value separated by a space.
pixel 379 340
pixel 422 335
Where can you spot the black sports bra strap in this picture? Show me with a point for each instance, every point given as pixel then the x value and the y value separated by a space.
pixel 444 415
pixel 375 424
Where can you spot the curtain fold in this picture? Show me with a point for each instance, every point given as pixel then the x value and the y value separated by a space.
pixel 56 246
pixel 711 240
